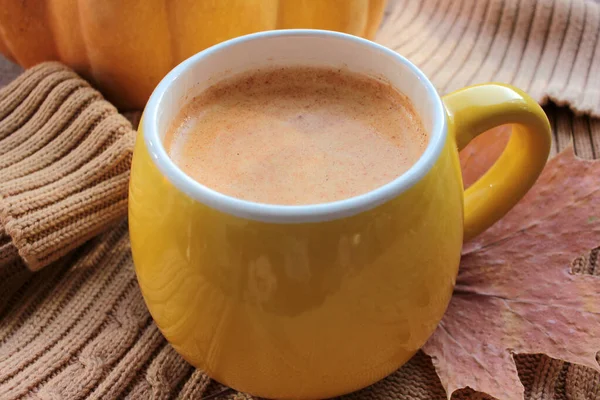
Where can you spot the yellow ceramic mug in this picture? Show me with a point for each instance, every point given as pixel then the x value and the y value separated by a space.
pixel 313 301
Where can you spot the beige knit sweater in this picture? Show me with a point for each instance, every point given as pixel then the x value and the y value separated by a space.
pixel 549 48
pixel 78 327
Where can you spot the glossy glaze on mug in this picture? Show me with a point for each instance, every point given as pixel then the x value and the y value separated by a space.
pixel 316 301
pixel 323 308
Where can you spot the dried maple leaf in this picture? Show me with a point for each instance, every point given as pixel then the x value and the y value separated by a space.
pixel 516 292
pixel 481 153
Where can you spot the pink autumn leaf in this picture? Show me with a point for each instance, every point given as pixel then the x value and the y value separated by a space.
pixel 516 291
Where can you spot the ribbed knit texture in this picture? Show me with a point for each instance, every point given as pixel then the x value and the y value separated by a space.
pixel 549 48
pixel 78 328
pixel 64 165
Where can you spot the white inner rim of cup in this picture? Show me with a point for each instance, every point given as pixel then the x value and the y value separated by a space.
pixel 164 99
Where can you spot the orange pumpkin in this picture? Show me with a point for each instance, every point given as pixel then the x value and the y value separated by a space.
pixel 127 46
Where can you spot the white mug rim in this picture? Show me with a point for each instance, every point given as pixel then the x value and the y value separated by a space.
pixel 274 213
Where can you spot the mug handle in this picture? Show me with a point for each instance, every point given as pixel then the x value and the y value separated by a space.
pixel 476 109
